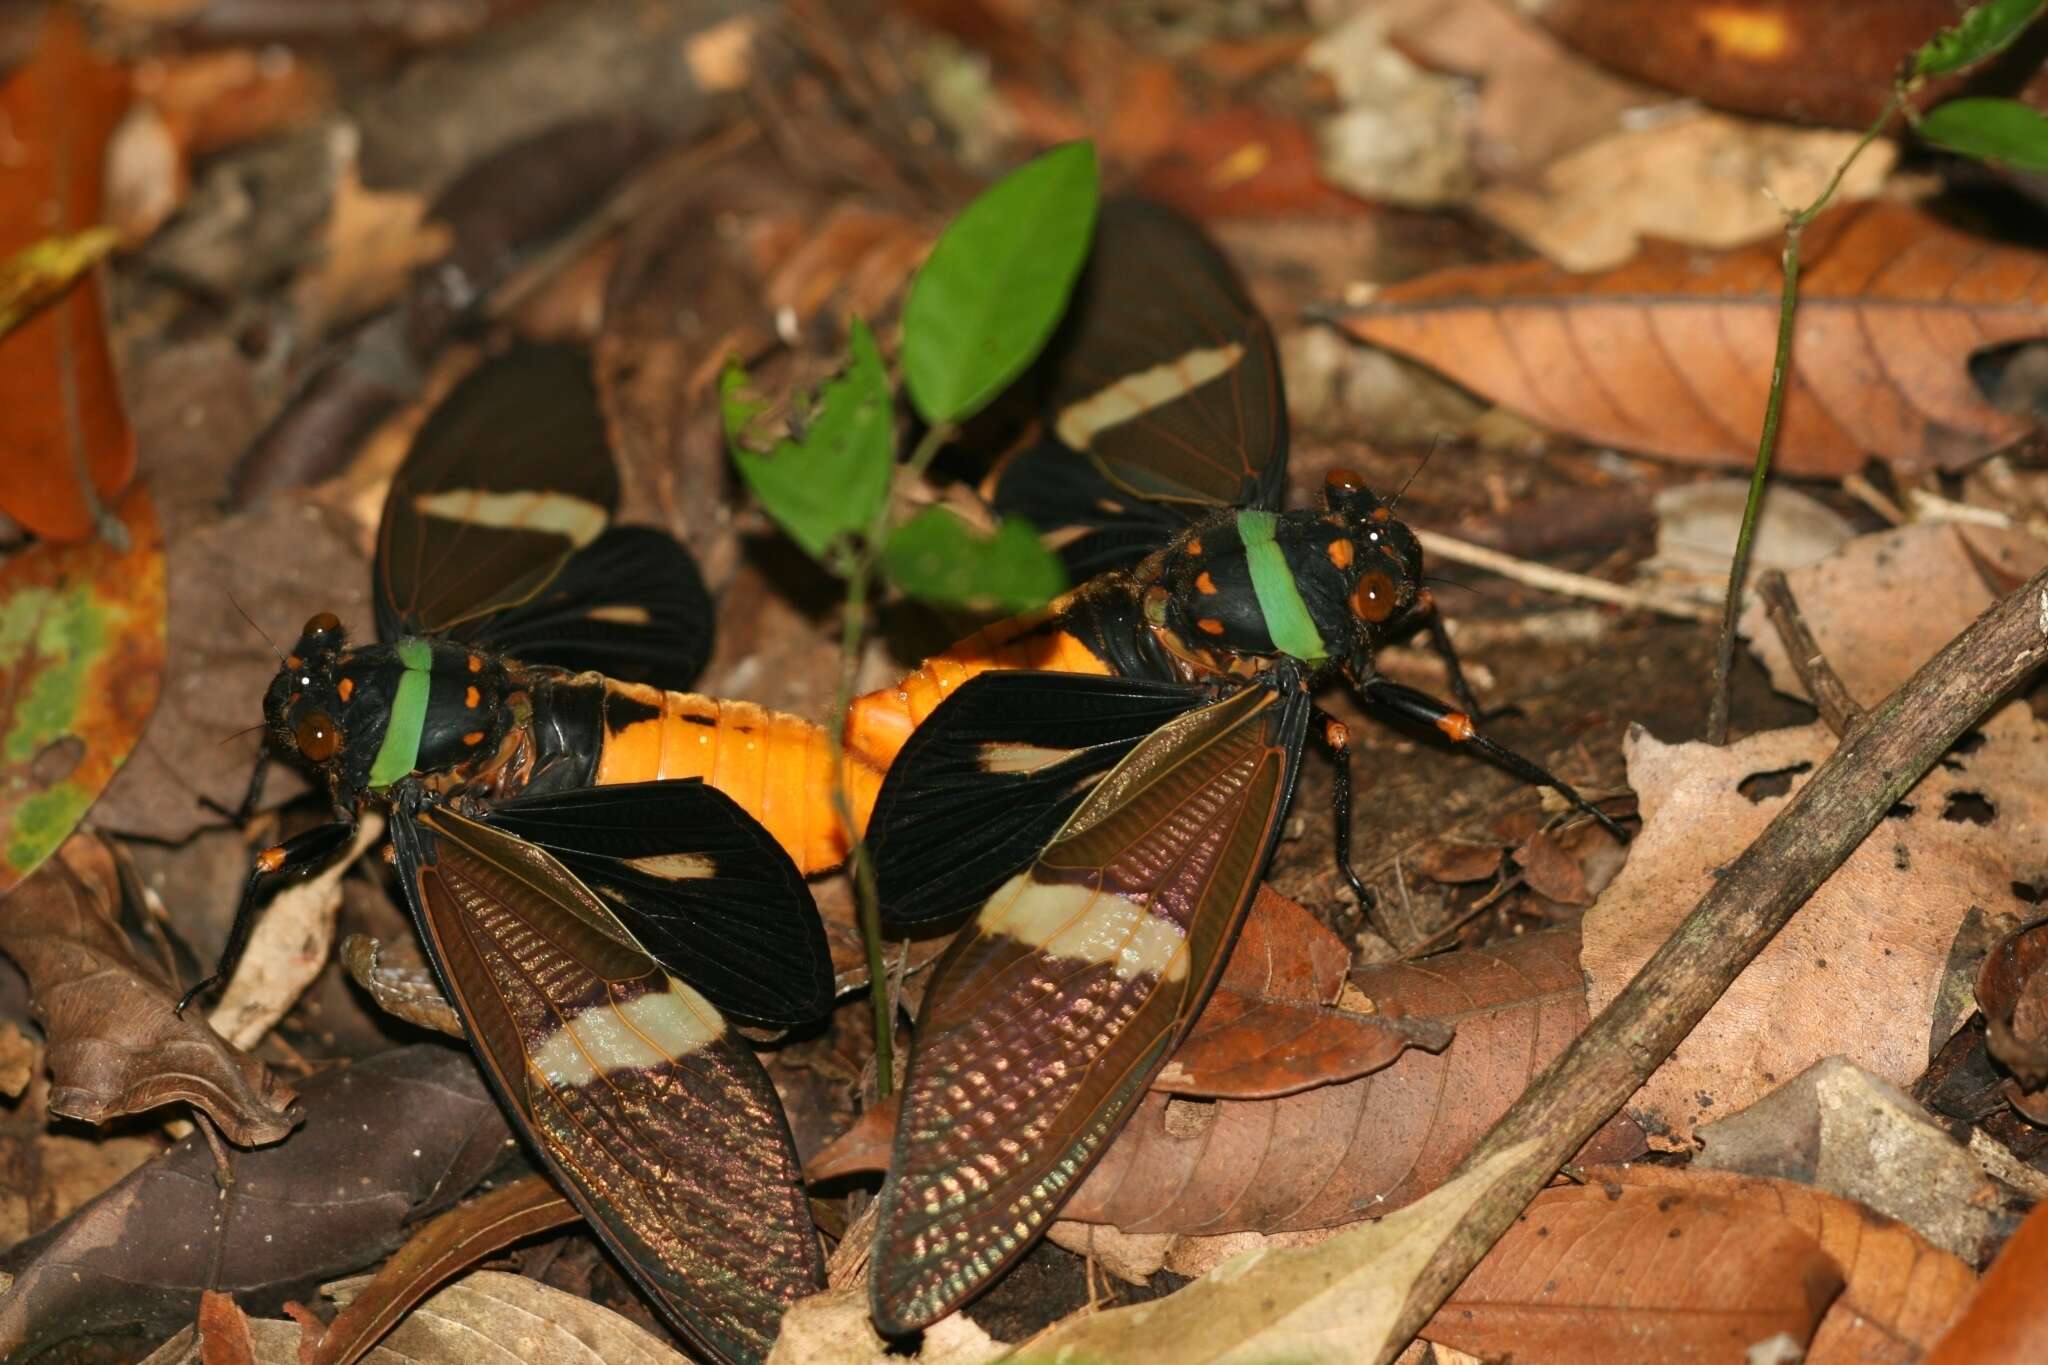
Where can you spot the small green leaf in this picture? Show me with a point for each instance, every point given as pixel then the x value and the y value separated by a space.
pixel 1983 31
pixel 2005 131
pixel 832 481
pixel 996 283
pixel 937 557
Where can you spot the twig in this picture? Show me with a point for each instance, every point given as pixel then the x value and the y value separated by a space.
pixel 1774 411
pixel 1561 581
pixel 1819 827
pixel 1830 696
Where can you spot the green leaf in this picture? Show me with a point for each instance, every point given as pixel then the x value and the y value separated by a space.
pixel 831 482
pixel 2004 131
pixel 937 557
pixel 1983 31
pixel 996 283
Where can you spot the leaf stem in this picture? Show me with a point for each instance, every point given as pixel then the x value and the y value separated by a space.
pixel 853 625
pixel 1774 408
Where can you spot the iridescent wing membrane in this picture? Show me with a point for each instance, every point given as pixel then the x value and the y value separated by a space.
pixel 1057 1004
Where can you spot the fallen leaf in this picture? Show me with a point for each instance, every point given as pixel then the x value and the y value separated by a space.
pixel 1671 353
pixel 224 1337
pixel 1550 871
pixel 42 271
pixel 2012 991
pixel 444 1247
pixel 222 97
pixel 1696 530
pixel 280 562
pixel 408 993
pixel 1781 59
pixel 1588 1273
pixel 1899 1293
pixel 1338 1153
pixel 1336 1301
pixel 386 1140
pixel 1826 1127
pixel 61 421
pixel 1401 134
pixel 81 662
pixel 2007 1320
pixel 372 241
pixel 1244 161
pixel 116 1044
pixel 1698 178
pixel 833 1328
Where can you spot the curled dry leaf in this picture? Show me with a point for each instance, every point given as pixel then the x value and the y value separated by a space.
pixel 1592 1273
pixel 1339 1153
pixel 64 441
pixel 1670 353
pixel 1899 1293
pixel 81 662
pixel 2012 991
pixel 408 993
pixel 1335 1301
pixel 117 1045
pixel 386 1140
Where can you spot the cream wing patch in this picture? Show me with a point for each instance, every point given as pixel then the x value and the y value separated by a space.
pixel 1021 758
pixel 575 520
pixel 677 866
pixel 1135 395
pixel 1081 924
pixel 655 1028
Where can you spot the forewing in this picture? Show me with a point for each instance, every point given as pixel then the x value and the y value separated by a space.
pixel 510 476
pixel 654 1117
pixel 1053 1009
pixel 700 885
pixel 993 773
pixel 1165 376
pixel 1092 524
pixel 630 605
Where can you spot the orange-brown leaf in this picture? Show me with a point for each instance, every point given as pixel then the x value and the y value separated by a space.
pixel 1364 1147
pixel 61 421
pixel 1900 1292
pixel 1670 354
pixel 1616 1274
pixel 2008 1318
pixel 81 662
pixel 117 1044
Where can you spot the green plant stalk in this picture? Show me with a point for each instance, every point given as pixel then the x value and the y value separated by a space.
pixel 1774 408
pixel 851 632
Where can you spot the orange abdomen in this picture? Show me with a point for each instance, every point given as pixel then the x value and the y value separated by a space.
pixel 778 767
pixel 879 723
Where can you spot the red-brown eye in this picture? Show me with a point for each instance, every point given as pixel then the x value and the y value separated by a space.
pixel 1373 599
pixel 322 623
pixel 319 739
pixel 1343 480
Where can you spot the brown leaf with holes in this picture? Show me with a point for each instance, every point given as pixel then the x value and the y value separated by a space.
pixel 1782 59
pixel 1616 1274
pixel 117 1046
pixel 1359 1149
pixel 1899 1294
pixel 1670 354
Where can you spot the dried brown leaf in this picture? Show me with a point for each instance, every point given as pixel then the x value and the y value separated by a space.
pixel 1899 1293
pixel 1670 354
pixel 2012 991
pixel 117 1046
pixel 1616 1274
pixel 2008 1318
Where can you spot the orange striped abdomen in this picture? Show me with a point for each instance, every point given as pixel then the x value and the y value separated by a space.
pixel 778 767
pixel 879 723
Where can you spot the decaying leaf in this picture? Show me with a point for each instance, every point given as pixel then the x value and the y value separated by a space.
pixel 443 1248
pixel 1826 1127
pixel 224 1337
pixel 1592 1273
pixel 386 1140
pixel 2007 1320
pixel 408 993
pixel 64 441
pixel 1332 1302
pixel 1670 354
pixel 117 1045
pixel 373 239
pixel 81 662
pixel 1899 1293
pixel 1697 525
pixel 1339 1153
pixel 2012 991
pixel 833 1328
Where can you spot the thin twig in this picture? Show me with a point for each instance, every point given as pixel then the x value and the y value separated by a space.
pixel 1816 831
pixel 1830 695
pixel 1561 581
pixel 1774 411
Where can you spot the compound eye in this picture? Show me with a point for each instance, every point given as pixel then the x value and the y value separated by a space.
pixel 318 738
pixel 324 623
pixel 1372 601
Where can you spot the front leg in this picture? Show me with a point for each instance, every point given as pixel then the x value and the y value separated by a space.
pixel 297 855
